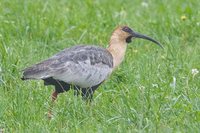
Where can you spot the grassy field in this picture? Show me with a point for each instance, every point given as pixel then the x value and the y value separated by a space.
pixel 154 90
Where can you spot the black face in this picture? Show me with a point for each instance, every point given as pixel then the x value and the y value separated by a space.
pixel 130 31
pixel 128 39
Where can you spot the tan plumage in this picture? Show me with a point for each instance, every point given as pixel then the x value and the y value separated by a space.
pixel 117 45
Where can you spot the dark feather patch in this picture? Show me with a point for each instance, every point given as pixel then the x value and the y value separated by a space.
pixel 127 29
pixel 60 86
pixel 128 39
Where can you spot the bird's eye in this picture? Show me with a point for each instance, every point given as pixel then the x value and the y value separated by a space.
pixel 127 29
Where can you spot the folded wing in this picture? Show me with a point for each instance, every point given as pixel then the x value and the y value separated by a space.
pixel 81 65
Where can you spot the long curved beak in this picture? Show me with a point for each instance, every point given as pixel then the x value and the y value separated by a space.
pixel 138 35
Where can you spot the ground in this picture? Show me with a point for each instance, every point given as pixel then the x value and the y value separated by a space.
pixel 154 90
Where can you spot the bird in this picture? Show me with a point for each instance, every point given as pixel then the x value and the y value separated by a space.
pixel 84 67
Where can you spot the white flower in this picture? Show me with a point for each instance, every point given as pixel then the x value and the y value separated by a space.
pixel 173 84
pixel 194 72
pixel 155 85
pixel 142 88
pixel 144 4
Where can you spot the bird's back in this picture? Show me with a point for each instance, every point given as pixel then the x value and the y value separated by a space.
pixel 81 65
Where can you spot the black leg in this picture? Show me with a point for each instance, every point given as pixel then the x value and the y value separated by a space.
pixel 87 93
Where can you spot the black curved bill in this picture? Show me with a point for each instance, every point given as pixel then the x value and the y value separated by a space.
pixel 138 35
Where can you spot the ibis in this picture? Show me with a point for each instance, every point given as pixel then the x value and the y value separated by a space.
pixel 84 67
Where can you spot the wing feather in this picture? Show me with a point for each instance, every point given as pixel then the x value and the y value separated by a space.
pixel 67 60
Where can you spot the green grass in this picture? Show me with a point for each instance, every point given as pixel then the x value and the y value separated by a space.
pixel 136 98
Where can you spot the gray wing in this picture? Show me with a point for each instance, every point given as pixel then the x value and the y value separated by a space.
pixel 67 59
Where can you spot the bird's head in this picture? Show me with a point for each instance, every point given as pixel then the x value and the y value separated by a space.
pixel 127 34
